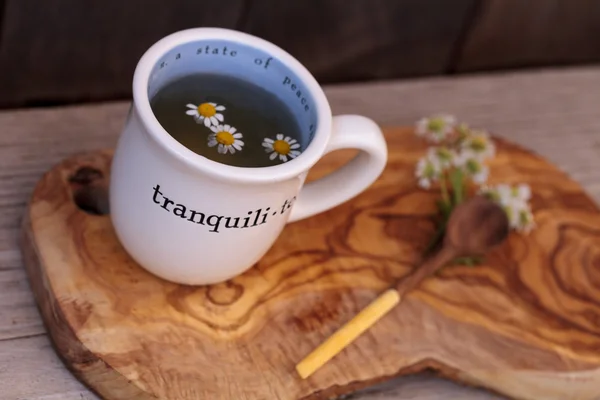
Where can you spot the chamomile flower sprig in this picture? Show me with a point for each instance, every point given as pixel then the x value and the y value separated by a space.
pixel 458 160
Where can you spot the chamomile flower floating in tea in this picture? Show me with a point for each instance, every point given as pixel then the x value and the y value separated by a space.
pixel 221 101
pixel 436 128
pixel 207 113
pixel 282 147
pixel 225 138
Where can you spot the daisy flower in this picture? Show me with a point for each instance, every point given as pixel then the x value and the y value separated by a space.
pixel 472 166
pixel 463 131
pixel 436 128
pixel 514 201
pixel 428 170
pixel 521 193
pixel 508 195
pixel 480 144
pixel 283 147
pixel 526 222
pixel 227 139
pixel 207 112
pixel 444 156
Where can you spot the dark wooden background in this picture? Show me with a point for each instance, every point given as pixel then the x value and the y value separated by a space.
pixel 66 51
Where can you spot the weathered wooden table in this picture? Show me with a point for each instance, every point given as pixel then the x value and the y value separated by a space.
pixel 554 112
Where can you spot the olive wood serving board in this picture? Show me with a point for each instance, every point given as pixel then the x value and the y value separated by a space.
pixel 525 324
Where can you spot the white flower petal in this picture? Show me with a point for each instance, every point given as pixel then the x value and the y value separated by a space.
pixel 213 104
pixel 294 153
pixel 221 149
pixel 236 146
pixel 214 121
pixel 481 176
pixel 273 155
pixel 283 157
pixel 232 129
pixel 424 183
pixel 421 126
pixel 295 146
pixel 279 136
pixel 287 139
pixel 267 140
pixel 207 122
pixel 190 105
pixel 524 192
pixel 219 117
pixel 215 129
pixel 220 108
pixel 268 145
pixel 230 148
pixel 212 143
pixel 192 112
pixel 237 135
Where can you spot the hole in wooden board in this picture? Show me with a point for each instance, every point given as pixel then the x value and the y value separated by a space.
pixel 90 193
pixel 86 176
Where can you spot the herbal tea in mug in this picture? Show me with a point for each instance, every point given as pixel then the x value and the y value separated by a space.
pixel 228 120
pixel 213 158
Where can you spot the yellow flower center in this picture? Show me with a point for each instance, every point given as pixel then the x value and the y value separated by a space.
pixel 478 143
pixel 225 138
pixel 473 167
pixel 207 110
pixel 282 147
pixel 436 124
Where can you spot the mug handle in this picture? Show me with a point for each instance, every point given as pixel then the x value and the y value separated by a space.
pixel 348 132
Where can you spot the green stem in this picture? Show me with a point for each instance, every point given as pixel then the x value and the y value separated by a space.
pixel 458 187
pixel 445 195
pixel 437 238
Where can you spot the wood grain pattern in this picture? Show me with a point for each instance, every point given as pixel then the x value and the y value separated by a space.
pixel 526 324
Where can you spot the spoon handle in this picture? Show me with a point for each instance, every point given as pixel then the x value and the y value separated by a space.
pixel 371 314
pixel 428 268
pixel 367 317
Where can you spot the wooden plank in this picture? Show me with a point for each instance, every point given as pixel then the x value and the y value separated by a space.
pixel 69 50
pixel 18 314
pixel 554 112
pixel 517 33
pixel 341 40
pixel 30 370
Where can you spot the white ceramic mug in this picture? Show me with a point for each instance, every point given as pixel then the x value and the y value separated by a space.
pixel 191 220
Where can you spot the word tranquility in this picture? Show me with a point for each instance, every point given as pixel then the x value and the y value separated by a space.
pixel 254 218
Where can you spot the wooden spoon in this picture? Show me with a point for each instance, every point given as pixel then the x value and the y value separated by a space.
pixel 474 227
